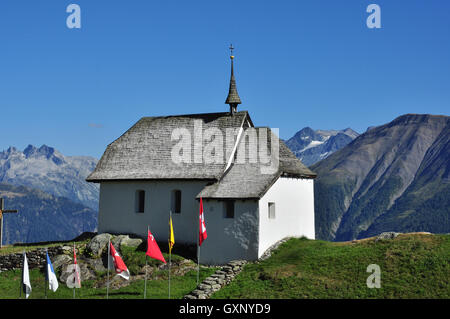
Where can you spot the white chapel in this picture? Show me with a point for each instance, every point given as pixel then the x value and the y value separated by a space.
pixel 253 188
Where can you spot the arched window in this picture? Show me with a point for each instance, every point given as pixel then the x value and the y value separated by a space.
pixel 176 201
pixel 229 209
pixel 140 201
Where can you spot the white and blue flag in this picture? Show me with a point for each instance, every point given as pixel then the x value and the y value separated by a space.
pixel 26 285
pixel 51 276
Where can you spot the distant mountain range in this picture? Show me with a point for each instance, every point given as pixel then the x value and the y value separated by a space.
pixel 50 192
pixel 43 217
pixel 46 169
pixel 311 146
pixel 394 177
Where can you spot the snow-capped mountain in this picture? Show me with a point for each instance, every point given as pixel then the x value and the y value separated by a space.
pixel 311 146
pixel 47 169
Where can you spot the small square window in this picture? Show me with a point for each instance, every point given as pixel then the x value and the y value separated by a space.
pixel 271 210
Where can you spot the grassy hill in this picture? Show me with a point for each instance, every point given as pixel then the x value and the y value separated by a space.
pixel 412 266
pixel 134 258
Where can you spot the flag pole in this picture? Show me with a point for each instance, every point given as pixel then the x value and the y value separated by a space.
pixel 46 272
pixel 198 264
pixel 170 262
pixel 198 249
pixel 145 282
pixel 170 249
pixel 21 282
pixel 107 282
pixel 75 270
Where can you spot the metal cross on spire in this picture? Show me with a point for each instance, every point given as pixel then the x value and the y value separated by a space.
pixel 2 211
pixel 231 50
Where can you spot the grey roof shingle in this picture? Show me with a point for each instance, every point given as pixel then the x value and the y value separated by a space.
pixel 245 179
pixel 145 152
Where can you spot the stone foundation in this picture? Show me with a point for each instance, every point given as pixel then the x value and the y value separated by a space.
pixel 36 258
pixel 217 280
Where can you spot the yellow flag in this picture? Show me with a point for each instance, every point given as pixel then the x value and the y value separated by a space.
pixel 171 237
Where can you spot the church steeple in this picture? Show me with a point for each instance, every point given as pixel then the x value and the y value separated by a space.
pixel 233 97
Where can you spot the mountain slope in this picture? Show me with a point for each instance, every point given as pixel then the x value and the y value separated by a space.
pixel 43 217
pixel 426 202
pixel 360 183
pixel 47 169
pixel 311 146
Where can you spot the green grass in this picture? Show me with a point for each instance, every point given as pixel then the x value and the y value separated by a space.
pixel 156 289
pixel 412 266
pixel 157 283
pixel 19 248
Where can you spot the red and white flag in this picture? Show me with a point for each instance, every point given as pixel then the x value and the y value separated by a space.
pixel 202 231
pixel 76 270
pixel 153 250
pixel 119 265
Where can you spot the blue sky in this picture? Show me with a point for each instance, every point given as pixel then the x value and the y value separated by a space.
pixel 298 63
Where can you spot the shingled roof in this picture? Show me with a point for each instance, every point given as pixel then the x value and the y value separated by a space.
pixel 251 180
pixel 144 152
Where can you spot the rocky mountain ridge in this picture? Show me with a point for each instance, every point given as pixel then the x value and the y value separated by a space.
pixel 47 169
pixel 311 146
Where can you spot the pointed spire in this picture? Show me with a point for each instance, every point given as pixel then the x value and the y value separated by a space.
pixel 233 97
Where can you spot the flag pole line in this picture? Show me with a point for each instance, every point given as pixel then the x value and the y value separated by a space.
pixel 198 249
pixel 170 264
pixel 107 280
pixel 21 282
pixel 47 274
pixel 75 269
pixel 170 248
pixel 145 282
pixel 198 265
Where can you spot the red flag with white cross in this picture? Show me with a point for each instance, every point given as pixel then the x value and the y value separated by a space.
pixel 202 231
pixel 119 265
pixel 153 250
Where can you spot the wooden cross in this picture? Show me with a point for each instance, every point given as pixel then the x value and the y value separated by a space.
pixel 2 211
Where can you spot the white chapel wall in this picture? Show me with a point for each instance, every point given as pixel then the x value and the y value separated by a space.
pixel 230 238
pixel 246 236
pixel 117 209
pixel 294 211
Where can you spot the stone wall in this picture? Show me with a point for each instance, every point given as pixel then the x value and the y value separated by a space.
pixel 217 280
pixel 36 258
pixel 226 274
